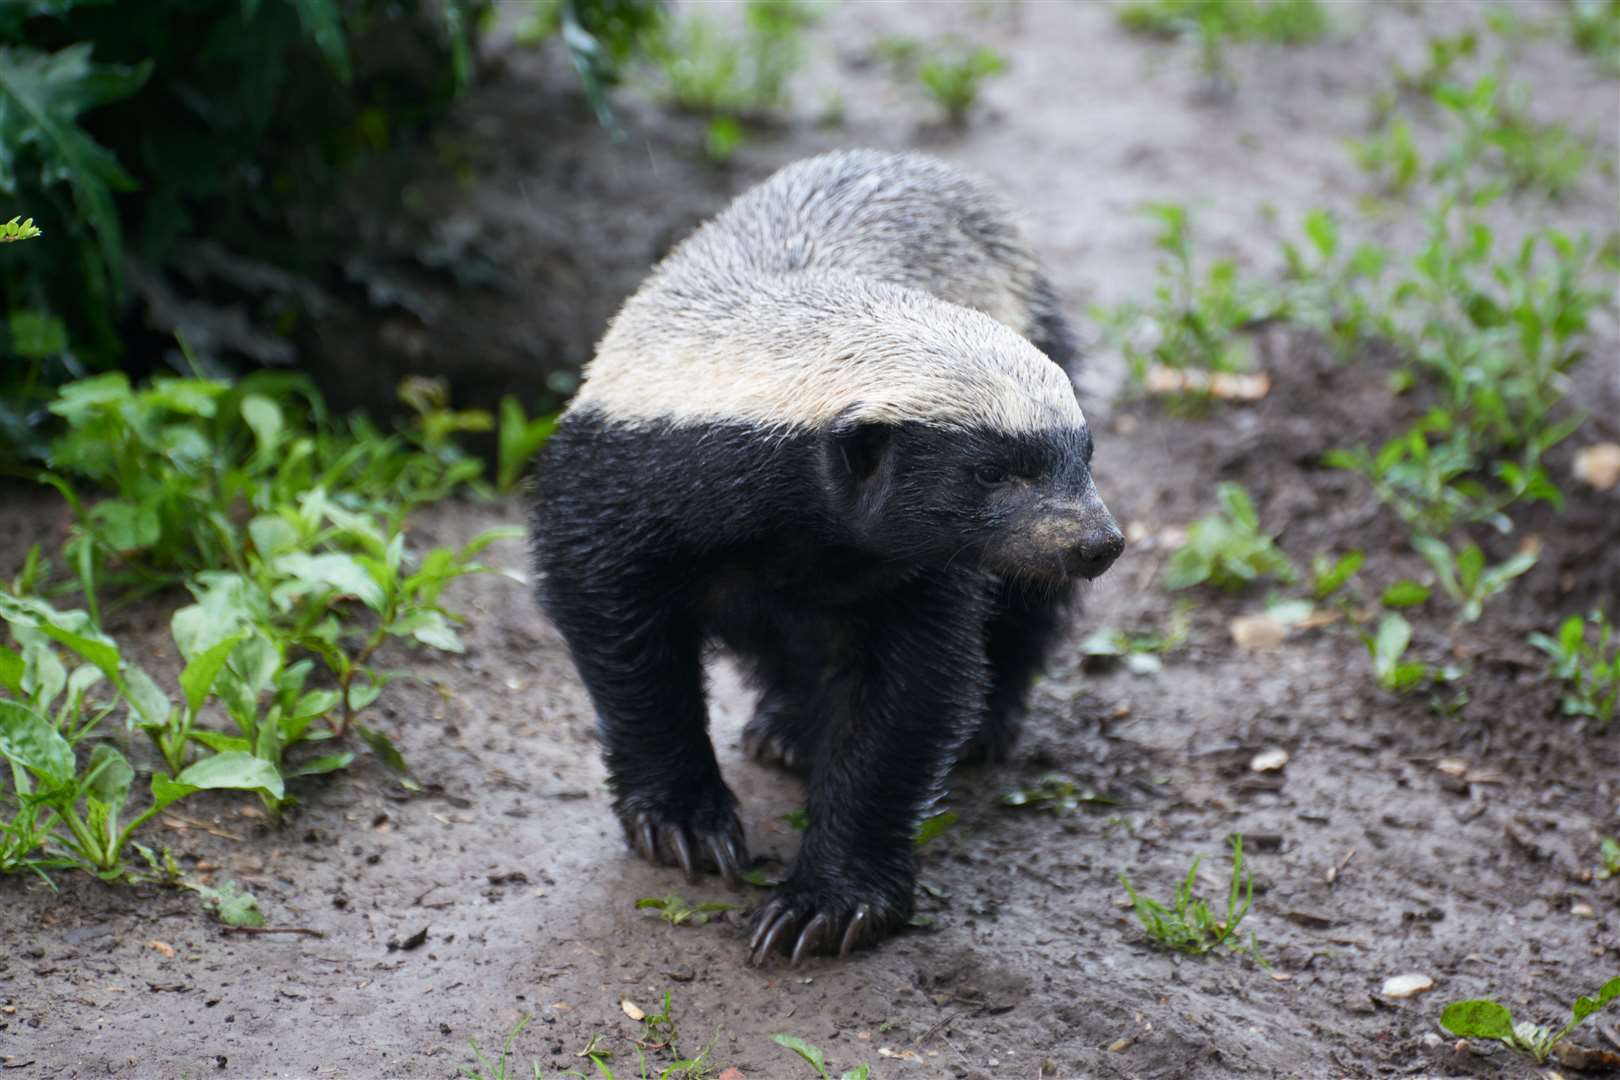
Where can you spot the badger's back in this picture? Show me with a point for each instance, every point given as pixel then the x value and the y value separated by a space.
pixel 887 283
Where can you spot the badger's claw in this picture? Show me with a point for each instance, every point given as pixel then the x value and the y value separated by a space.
pixel 798 927
pixel 771 737
pixel 721 847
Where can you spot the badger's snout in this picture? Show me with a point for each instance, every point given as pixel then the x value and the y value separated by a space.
pixel 1061 540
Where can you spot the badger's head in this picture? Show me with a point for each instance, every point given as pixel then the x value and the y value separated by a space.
pixel 1022 504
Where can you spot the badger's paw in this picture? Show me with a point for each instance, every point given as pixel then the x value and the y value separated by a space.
pixel 708 838
pixel 802 924
pixel 995 739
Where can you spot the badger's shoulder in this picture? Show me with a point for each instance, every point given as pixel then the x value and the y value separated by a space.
pixel 800 351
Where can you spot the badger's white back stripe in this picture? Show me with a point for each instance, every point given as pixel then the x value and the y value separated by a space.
pixel 883 287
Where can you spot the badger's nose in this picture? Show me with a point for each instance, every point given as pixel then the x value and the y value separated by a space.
pixel 1099 545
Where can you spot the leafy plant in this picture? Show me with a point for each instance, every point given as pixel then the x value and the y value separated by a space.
pixel 1609 851
pixel 1329 575
pixel 675 910
pixel 1464 575
pixel 933 827
pixel 1187 924
pixel 1215 22
pixel 1593 26
pixel 817 1060
pixel 1586 664
pixel 1330 287
pixel 1191 323
pixel 498 1069
pixel 1227 549
pixel 1387 647
pixel 17 229
pixel 520 439
pixel 1486 1019
pixel 709 70
pixel 68 808
pixel 954 78
pixel 1055 793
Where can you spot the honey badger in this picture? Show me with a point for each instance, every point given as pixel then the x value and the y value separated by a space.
pixel 834 433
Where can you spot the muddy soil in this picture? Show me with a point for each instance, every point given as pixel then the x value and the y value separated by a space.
pixel 1396 840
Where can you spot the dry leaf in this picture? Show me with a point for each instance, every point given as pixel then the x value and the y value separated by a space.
pixel 1599 465
pixel 1452 766
pixel 631 1009
pixel 1405 986
pixel 1257 632
pixel 162 947
pixel 1118 1044
pixel 1582 910
pixel 732 1073
pixel 1269 760
pixel 900 1055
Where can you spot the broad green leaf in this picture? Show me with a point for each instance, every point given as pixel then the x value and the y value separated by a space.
pixel 272 534
pixel 1477 1020
pixel 29 740
pixel 231 770
pixel 1404 594
pixel 1586 1006
pixel 234 905
pixel 11 671
pixel 859 1072
pixel 1394 635
pixel 804 1050
pixel 430 628
pixel 324 764
pixel 226 604
pixel 44 675
pixel 99 651
pixel 362 694
pixel 198 678
pixel 933 827
pixel 264 417
pixel 323 22
pixel 383 747
pixel 125 527
pixel 1238 504
pixel 221 742
pixel 145 696
pixel 330 572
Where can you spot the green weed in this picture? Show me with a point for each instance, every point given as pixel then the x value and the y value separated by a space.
pixel 1464 575
pixel 675 910
pixel 1227 549
pixel 1586 664
pixel 1609 852
pixel 1593 26
pixel 1387 648
pixel 498 1069
pixel 1215 23
pixel 708 69
pixel 1329 575
pixel 17 229
pixel 69 796
pixel 1138 650
pixel 1188 925
pixel 817 1060
pixel 1486 1019
pixel 1331 288
pixel 1192 322
pixel 954 81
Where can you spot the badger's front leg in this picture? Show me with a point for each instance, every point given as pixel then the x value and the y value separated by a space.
pixel 639 653
pixel 905 697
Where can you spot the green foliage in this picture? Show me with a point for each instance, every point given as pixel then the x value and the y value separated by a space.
pixel 1227 549
pixel 1586 664
pixel 17 229
pixel 520 439
pixel 675 910
pixel 1054 793
pixel 817 1060
pixel 709 69
pixel 602 36
pixel 1329 575
pixel 1187 924
pixel 69 790
pixel 1387 648
pixel 954 78
pixel 497 1070
pixel 1191 323
pixel 1593 26
pixel 1464 575
pixel 1329 286
pixel 1485 1019
pixel 221 115
pixel 933 827
pixel 1214 23
pixel 1609 851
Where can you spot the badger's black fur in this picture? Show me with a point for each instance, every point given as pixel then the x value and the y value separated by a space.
pixel 798 441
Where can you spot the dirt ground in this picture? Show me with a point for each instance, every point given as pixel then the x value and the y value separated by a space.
pixel 1370 859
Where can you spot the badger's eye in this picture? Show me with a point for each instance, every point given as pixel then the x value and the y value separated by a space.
pixel 991 475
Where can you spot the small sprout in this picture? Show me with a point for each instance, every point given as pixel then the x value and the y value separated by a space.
pixel 1328 575
pixel 1055 794
pixel 1586 664
pixel 1404 594
pixel 675 910
pixel 1486 1019
pixel 18 229
pixel 1609 851
pixel 954 81
pixel 797 819
pixel 1227 550
pixel 1188 925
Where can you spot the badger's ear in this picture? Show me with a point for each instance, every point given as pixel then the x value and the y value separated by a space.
pixel 854 454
